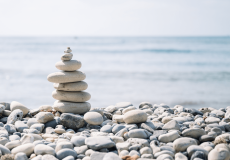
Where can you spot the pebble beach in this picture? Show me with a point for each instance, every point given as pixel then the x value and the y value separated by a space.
pixel 71 129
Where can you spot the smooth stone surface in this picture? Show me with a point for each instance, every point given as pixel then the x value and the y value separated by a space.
pixel 139 133
pixel 97 143
pixel 106 128
pixel 111 156
pixel 71 96
pixel 193 148
pixel 32 121
pixel 38 127
pixel 44 117
pixel 16 105
pixel 20 156
pixel 66 77
pixel 3 140
pixel 180 156
pixel 168 137
pixel 28 149
pixel 93 118
pixel 71 121
pixel 13 144
pixel 181 144
pixel 27 138
pixel 97 156
pixel 71 107
pixel 4 150
pixel 219 154
pixel 193 133
pixel 74 86
pixel 70 65
pixel 42 149
pixel 135 116
pixel 66 57
pixel 62 145
pixel 65 153
pixel 171 125
pixel 20 126
pixel 78 140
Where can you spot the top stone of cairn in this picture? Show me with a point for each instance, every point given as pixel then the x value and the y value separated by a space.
pixel 68 55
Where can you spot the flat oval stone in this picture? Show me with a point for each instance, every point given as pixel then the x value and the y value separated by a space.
pixel 66 77
pixel 71 96
pixel 135 116
pixel 93 118
pixel 28 149
pixel 75 86
pixel 66 57
pixel 71 107
pixel 181 144
pixel 71 65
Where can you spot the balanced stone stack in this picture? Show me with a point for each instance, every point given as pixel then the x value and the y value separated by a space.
pixel 69 86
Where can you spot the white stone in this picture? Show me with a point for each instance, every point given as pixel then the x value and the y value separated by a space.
pixel 135 116
pixel 181 144
pixel 66 77
pixel 70 65
pixel 42 149
pixel 63 145
pixel 16 105
pixel 74 86
pixel 43 117
pixel 13 144
pixel 66 57
pixel 171 125
pixel 71 96
pixel 28 149
pixel 27 138
pixel 72 107
pixel 168 137
pixel 93 118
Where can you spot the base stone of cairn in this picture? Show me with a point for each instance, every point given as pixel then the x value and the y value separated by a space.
pixel 69 86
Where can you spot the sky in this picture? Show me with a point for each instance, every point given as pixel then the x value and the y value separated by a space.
pixel 114 17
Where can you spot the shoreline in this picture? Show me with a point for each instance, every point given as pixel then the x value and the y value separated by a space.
pixel 120 131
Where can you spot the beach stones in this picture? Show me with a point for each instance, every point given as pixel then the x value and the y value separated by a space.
pixel 100 142
pixel 16 105
pixel 75 86
pixel 71 96
pixel 93 118
pixel 70 65
pixel 14 116
pixel 181 144
pixel 43 117
pixel 72 121
pixel 71 107
pixel 135 116
pixel 69 86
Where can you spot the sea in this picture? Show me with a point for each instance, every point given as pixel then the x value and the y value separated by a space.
pixel 190 71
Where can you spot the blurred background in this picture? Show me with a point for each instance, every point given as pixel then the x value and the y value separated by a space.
pixel 172 52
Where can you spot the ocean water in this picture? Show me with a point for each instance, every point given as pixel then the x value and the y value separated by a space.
pixel 189 71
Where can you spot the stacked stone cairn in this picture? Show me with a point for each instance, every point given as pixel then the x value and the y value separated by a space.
pixel 69 86
pixel 70 130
